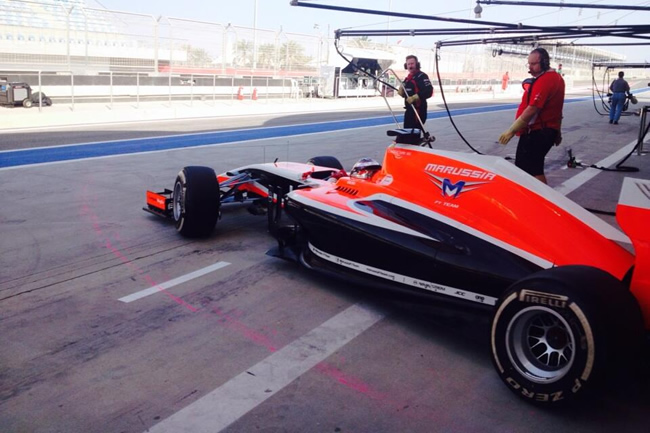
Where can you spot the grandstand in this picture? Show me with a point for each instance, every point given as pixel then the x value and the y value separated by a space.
pixel 64 34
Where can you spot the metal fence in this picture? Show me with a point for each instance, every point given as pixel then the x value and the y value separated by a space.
pixel 66 87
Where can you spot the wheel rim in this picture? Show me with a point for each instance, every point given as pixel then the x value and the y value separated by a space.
pixel 540 344
pixel 178 201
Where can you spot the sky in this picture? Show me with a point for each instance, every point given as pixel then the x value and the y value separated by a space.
pixel 276 14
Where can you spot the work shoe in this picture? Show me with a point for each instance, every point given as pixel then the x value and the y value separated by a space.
pixel 611 121
pixel 616 122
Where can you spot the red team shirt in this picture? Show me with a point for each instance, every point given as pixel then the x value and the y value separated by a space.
pixel 547 94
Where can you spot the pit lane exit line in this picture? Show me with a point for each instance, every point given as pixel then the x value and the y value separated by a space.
pixel 232 400
pixel 171 283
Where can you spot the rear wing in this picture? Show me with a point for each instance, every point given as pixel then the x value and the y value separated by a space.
pixel 633 215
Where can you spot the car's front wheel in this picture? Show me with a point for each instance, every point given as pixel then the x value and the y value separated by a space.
pixel 556 332
pixel 196 201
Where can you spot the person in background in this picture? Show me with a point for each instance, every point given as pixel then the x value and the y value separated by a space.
pixel 539 117
pixel 415 90
pixel 504 81
pixel 619 88
pixel 559 70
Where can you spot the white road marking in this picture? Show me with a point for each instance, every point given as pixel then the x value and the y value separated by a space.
pixel 171 283
pixel 232 400
pixel 571 184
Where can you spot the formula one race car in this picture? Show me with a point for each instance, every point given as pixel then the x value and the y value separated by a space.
pixel 568 303
pixel 195 202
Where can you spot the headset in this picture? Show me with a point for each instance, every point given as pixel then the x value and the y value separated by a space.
pixel 417 62
pixel 544 58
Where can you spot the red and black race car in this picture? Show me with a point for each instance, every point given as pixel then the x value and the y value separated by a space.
pixel 568 302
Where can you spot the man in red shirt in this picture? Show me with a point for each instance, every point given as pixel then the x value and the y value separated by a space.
pixel 539 116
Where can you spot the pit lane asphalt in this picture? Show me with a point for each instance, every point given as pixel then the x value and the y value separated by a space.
pixel 75 358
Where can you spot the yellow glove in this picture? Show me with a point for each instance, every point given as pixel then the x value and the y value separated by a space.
pixel 510 132
pixel 400 91
pixel 412 99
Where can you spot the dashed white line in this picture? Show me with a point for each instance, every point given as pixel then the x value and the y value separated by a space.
pixel 171 283
pixel 232 400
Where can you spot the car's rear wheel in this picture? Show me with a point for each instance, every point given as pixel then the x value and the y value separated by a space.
pixel 196 201
pixel 39 96
pixel 556 332
pixel 325 161
pixel 27 103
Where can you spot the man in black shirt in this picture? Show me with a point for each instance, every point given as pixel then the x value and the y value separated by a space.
pixel 416 89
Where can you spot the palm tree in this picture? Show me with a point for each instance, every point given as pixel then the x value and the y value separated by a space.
pixel 243 55
pixel 197 56
pixel 292 55
pixel 266 56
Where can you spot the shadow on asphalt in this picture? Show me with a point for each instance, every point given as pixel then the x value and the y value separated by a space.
pixel 620 399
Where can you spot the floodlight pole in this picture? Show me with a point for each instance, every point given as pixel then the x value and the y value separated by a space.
pixel 255 36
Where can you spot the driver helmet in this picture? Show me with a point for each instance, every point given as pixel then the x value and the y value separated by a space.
pixel 365 168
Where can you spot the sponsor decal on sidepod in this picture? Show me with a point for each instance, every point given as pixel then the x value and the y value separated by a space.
pixel 451 189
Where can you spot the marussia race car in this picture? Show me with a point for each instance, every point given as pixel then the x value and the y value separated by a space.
pixel 567 301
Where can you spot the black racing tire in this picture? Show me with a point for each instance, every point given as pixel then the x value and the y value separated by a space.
pixel 36 96
pixel 325 161
pixel 46 101
pixel 27 103
pixel 196 201
pixel 557 332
